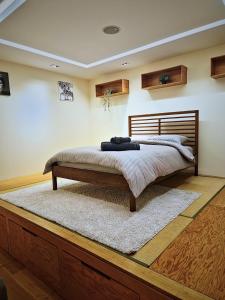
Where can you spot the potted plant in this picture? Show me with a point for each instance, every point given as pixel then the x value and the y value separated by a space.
pixel 106 98
pixel 164 78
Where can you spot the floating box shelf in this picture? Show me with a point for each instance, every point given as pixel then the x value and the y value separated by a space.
pixel 177 76
pixel 218 67
pixel 118 87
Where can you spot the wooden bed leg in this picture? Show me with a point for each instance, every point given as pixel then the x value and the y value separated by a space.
pixel 196 170
pixel 132 203
pixel 54 182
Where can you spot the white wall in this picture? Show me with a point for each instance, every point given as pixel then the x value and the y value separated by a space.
pixel 34 124
pixel 201 92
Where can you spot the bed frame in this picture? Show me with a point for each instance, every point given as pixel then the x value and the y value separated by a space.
pixel 180 122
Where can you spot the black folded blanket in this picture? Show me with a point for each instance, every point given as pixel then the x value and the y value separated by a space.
pixel 120 140
pixel 107 146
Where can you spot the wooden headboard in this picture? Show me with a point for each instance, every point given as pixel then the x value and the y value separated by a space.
pixel 180 122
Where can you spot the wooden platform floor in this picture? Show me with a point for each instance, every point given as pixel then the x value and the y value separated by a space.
pixel 187 258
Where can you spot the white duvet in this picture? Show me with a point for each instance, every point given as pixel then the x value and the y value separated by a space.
pixel 140 168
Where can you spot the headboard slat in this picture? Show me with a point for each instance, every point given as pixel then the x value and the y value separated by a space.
pixel 181 122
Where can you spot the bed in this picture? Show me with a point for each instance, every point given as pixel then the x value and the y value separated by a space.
pixel 184 123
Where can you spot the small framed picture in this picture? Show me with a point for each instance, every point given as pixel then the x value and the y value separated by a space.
pixel 4 84
pixel 65 91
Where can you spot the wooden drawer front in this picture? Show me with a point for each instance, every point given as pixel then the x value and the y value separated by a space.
pixel 16 241
pixel 81 281
pixel 42 258
pixel 3 233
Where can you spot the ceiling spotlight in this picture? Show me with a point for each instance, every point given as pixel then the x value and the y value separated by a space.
pixel 111 29
pixel 54 66
pixel 124 64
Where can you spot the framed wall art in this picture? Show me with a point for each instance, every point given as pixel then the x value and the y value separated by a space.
pixel 65 91
pixel 4 84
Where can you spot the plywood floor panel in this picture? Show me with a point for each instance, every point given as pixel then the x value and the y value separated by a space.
pixel 208 186
pixel 197 257
pixel 219 200
pixel 161 241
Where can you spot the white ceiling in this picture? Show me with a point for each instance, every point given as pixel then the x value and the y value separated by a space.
pixel 73 29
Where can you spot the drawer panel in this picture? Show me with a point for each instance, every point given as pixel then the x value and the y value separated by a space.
pixel 3 233
pixel 42 258
pixel 86 282
pixel 16 241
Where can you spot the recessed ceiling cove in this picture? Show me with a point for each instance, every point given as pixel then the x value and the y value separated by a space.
pixel 72 31
pixel 7 7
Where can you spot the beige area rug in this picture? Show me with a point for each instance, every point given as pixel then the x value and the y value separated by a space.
pixel 102 214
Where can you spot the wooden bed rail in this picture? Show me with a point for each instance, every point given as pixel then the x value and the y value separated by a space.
pixel 93 177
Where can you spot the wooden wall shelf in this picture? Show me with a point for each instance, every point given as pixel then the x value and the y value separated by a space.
pixel 177 76
pixel 118 87
pixel 218 67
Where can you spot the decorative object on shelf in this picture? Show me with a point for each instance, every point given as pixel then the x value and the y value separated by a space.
pixel 4 84
pixel 106 99
pixel 118 87
pixel 218 67
pixel 164 78
pixel 65 91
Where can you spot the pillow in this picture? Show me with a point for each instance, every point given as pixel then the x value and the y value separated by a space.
pixel 140 137
pixel 174 138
